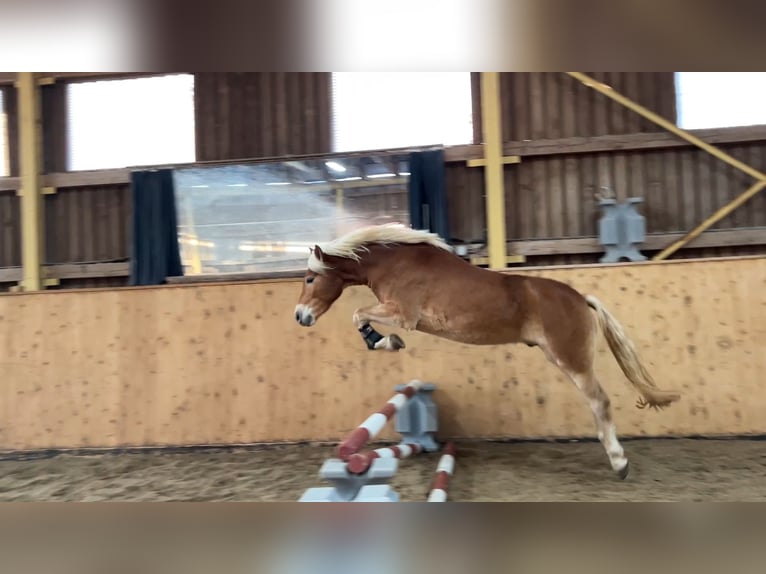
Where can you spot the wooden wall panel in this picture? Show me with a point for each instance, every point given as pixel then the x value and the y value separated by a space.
pixel 223 364
pixel 555 196
pixel 464 188
pixel 10 229
pixel 88 224
pixel 261 114
pixel 551 105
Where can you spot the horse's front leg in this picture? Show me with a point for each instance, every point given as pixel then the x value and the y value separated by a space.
pixel 386 314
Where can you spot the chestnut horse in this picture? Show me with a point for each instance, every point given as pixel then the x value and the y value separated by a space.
pixel 421 285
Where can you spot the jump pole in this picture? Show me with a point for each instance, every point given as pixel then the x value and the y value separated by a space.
pixel 444 471
pixel 375 423
pixel 359 462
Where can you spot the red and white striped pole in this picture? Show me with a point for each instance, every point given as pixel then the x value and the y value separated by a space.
pixel 371 427
pixel 359 462
pixel 444 471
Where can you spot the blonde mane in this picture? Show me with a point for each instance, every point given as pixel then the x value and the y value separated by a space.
pixel 353 243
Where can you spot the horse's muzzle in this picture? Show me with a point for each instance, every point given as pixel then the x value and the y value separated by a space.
pixel 304 316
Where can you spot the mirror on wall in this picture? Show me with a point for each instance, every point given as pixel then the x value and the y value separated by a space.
pixel 263 217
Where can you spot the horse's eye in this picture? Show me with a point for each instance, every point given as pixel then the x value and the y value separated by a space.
pixel 309 280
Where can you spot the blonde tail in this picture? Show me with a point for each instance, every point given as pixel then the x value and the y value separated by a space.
pixel 627 357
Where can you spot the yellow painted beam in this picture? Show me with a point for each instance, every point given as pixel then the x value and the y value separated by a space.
pixel 493 169
pixel 509 259
pixel 339 213
pixel 482 162
pixel 194 252
pixel 712 220
pixel 30 160
pixel 662 122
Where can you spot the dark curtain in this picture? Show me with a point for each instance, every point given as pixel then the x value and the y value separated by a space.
pixel 156 253
pixel 427 193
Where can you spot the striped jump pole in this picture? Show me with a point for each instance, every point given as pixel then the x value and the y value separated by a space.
pixel 371 427
pixel 444 471
pixel 359 462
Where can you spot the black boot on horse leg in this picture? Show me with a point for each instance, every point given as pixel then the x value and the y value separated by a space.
pixel 375 340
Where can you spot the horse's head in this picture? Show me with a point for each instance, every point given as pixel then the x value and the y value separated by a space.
pixel 322 285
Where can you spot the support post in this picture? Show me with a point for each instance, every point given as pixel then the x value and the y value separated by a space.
pixel 339 214
pixel 30 155
pixel 493 169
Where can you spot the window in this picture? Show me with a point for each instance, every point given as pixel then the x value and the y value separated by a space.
pixel 379 110
pixel 4 161
pixel 720 99
pixel 136 121
pixel 264 217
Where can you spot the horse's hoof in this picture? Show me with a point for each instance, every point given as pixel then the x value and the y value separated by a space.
pixel 622 474
pixel 395 342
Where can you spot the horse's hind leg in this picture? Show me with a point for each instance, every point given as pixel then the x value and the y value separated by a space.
pixel 602 414
pixel 600 406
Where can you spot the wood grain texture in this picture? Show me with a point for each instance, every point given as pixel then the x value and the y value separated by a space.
pixel 224 364
pixel 261 114
pixel 541 105
pixel 10 229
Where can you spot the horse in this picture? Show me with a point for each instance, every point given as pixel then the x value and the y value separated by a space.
pixel 422 285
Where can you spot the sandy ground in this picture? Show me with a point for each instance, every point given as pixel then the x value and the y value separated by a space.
pixel 691 470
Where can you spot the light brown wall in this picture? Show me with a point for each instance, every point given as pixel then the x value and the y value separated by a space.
pixel 214 363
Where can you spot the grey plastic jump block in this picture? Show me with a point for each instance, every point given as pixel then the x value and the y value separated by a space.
pixel 418 420
pixel 369 493
pixel 347 487
pixel 377 493
pixel 621 229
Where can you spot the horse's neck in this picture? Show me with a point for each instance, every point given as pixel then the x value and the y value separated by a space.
pixel 374 267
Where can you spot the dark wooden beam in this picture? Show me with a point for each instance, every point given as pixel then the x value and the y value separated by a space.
pixel 235 277
pixel 8 78
pixel 632 142
pixel 653 242
pixel 71 271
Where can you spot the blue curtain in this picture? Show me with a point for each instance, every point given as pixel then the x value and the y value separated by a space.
pixel 156 254
pixel 427 193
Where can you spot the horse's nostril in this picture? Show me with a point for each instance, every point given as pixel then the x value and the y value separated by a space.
pixel 298 316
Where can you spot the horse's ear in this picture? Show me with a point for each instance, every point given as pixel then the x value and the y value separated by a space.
pixel 317 251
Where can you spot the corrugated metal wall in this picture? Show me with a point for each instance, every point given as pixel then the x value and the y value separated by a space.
pixel 261 114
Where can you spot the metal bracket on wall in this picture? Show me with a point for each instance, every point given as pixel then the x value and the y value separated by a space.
pixel 621 229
